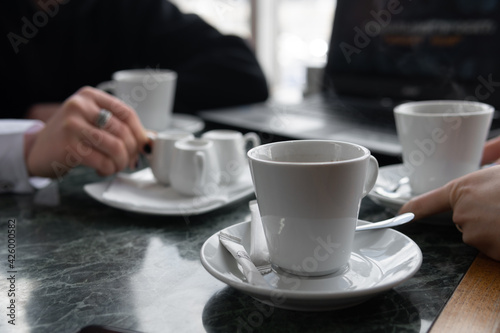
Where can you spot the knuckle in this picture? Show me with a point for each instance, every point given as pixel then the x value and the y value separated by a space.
pixel 455 191
pixel 74 103
pixel 128 139
pixel 106 167
pixel 115 127
pixel 85 90
pixel 70 125
pixel 124 137
pixel 116 146
pixel 121 110
pixel 120 154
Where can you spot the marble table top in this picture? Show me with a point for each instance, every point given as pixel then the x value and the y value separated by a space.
pixel 79 262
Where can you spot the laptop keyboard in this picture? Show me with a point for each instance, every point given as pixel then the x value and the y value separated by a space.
pixel 362 113
pixel 334 109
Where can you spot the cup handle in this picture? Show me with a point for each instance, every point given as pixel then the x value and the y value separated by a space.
pixel 108 86
pixel 371 175
pixel 251 137
pixel 199 163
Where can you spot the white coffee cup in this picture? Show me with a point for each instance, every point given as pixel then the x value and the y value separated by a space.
pixel 441 140
pixel 195 169
pixel 150 92
pixel 231 147
pixel 309 194
pixel 162 155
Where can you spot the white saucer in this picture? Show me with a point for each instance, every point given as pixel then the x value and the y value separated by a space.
pixel 381 259
pixel 139 192
pixel 187 122
pixel 388 177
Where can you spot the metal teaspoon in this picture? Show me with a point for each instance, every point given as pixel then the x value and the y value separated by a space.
pixel 392 222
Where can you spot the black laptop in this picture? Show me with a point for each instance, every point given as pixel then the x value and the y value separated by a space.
pixel 381 54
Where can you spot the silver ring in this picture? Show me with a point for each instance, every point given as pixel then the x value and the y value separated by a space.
pixel 103 118
pixel 459 228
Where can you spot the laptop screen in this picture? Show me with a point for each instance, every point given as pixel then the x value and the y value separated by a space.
pixel 414 50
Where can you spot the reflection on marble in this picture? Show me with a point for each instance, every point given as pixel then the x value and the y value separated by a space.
pixel 229 311
pixel 81 262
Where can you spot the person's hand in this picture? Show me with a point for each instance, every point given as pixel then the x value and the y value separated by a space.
pixel 475 201
pixel 42 111
pixel 71 137
pixel 491 151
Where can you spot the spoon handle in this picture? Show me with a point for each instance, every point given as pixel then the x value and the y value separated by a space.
pixel 395 221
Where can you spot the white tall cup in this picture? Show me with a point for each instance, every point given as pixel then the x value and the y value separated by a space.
pixel 150 92
pixel 441 140
pixel 195 169
pixel 162 156
pixel 231 151
pixel 309 193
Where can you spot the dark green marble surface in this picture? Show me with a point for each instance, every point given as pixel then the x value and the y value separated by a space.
pixel 79 262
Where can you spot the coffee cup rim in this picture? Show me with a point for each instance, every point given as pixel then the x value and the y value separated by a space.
pixel 481 108
pixel 221 134
pixel 135 74
pixel 193 144
pixel 252 152
pixel 172 134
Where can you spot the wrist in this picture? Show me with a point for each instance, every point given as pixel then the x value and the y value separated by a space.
pixel 42 111
pixel 30 137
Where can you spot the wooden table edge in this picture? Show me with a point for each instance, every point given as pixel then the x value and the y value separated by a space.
pixel 475 304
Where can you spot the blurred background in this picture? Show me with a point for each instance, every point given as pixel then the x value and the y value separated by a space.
pixel 290 37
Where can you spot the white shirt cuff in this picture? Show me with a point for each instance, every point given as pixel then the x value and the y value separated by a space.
pixel 13 172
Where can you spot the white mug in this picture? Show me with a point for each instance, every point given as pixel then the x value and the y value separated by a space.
pixel 441 140
pixel 231 147
pixel 195 169
pixel 162 155
pixel 309 194
pixel 150 92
